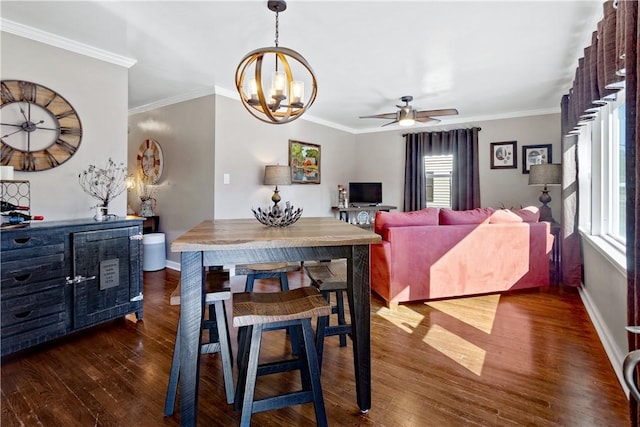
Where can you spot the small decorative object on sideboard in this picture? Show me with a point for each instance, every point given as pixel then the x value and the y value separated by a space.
pixel 276 217
pixel 104 184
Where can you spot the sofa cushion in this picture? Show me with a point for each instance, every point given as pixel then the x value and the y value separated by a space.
pixel 471 216
pixel 427 216
pixel 529 214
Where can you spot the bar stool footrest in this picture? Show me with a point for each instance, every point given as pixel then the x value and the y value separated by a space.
pixel 282 401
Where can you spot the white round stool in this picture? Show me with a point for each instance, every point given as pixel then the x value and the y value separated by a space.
pixel 153 252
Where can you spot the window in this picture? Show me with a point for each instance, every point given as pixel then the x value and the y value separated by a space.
pixel 438 171
pixel 601 176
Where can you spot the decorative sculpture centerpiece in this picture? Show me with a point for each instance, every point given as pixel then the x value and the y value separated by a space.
pixel 104 184
pixel 275 216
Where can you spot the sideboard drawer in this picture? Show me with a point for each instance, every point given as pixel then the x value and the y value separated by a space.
pixel 33 268
pixel 27 238
pixel 27 334
pixel 24 310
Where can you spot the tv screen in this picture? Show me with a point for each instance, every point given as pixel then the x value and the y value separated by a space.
pixel 365 193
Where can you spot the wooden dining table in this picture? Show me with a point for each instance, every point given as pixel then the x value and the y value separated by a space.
pixel 223 242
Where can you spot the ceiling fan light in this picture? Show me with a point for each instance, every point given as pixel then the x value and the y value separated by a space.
pixel 406 116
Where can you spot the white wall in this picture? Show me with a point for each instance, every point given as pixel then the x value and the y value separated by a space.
pixel 185 191
pixel 381 157
pixel 604 293
pixel 98 92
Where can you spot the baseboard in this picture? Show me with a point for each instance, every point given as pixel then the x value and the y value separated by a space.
pixel 616 358
pixel 173 265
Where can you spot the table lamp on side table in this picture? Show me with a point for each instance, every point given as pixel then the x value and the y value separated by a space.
pixel 545 174
pixel 276 175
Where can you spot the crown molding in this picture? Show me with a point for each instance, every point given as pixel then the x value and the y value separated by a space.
pixel 64 43
pixel 217 90
pixel 187 96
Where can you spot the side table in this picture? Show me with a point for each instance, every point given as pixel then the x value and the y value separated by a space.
pixel 151 224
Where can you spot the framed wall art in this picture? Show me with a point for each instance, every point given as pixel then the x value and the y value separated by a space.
pixel 535 155
pixel 504 155
pixel 304 161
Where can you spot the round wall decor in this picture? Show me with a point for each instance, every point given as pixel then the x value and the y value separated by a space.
pixel 40 129
pixel 150 161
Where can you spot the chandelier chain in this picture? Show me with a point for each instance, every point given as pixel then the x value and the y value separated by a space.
pixel 277 29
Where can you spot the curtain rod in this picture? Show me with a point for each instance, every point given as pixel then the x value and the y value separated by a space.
pixel 414 133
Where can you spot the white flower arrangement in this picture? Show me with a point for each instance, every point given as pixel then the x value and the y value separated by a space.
pixel 104 184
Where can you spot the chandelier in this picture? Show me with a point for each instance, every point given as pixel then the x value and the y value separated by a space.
pixel 282 99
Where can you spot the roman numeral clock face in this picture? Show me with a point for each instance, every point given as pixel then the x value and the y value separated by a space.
pixel 39 129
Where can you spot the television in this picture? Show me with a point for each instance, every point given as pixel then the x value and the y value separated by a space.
pixel 365 193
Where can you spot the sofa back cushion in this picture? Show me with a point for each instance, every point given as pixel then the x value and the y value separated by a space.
pixel 471 216
pixel 384 220
pixel 529 214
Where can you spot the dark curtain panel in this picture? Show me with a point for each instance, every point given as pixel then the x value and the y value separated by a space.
pixel 465 180
pixel 631 36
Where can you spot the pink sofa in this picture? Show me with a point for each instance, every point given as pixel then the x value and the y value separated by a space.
pixel 438 253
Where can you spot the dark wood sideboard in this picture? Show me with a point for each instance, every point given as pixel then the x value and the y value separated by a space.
pixel 62 276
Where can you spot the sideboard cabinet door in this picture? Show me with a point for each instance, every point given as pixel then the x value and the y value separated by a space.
pixel 106 268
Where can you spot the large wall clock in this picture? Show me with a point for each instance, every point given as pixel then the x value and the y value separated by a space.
pixel 39 128
pixel 150 161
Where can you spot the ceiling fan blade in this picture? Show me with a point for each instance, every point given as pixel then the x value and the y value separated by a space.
pixel 390 123
pixel 431 113
pixel 427 120
pixel 381 116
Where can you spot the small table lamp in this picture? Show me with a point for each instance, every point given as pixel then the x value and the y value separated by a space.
pixel 276 175
pixel 545 174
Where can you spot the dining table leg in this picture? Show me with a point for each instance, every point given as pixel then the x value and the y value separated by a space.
pixel 191 277
pixel 359 295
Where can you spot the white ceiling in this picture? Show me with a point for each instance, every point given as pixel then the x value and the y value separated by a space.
pixel 488 59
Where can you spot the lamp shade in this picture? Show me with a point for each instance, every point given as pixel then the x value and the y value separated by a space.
pixel 277 175
pixel 545 174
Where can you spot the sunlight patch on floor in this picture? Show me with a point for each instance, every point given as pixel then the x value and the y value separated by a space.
pixel 461 351
pixel 479 312
pixel 403 317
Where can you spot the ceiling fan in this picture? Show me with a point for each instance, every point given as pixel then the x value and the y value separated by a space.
pixel 407 115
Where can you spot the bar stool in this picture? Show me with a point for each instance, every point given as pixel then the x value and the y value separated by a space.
pixel 254 313
pixel 216 293
pixel 270 270
pixel 331 277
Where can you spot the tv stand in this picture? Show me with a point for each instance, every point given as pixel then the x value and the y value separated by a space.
pixel 363 215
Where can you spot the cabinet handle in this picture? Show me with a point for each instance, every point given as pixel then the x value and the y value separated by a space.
pixel 78 279
pixel 23 315
pixel 22 277
pixel 138 297
pixel 22 240
pixel 136 237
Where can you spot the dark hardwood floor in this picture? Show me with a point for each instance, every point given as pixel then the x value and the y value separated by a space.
pixel 525 358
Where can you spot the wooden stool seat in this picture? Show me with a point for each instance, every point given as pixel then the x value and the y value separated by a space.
pixel 258 312
pixel 216 288
pixel 216 292
pixel 269 270
pixel 331 277
pixel 252 308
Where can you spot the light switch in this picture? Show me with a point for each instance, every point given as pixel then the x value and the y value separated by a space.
pixel 227 178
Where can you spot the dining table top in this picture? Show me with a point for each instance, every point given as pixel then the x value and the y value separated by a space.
pixel 248 233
